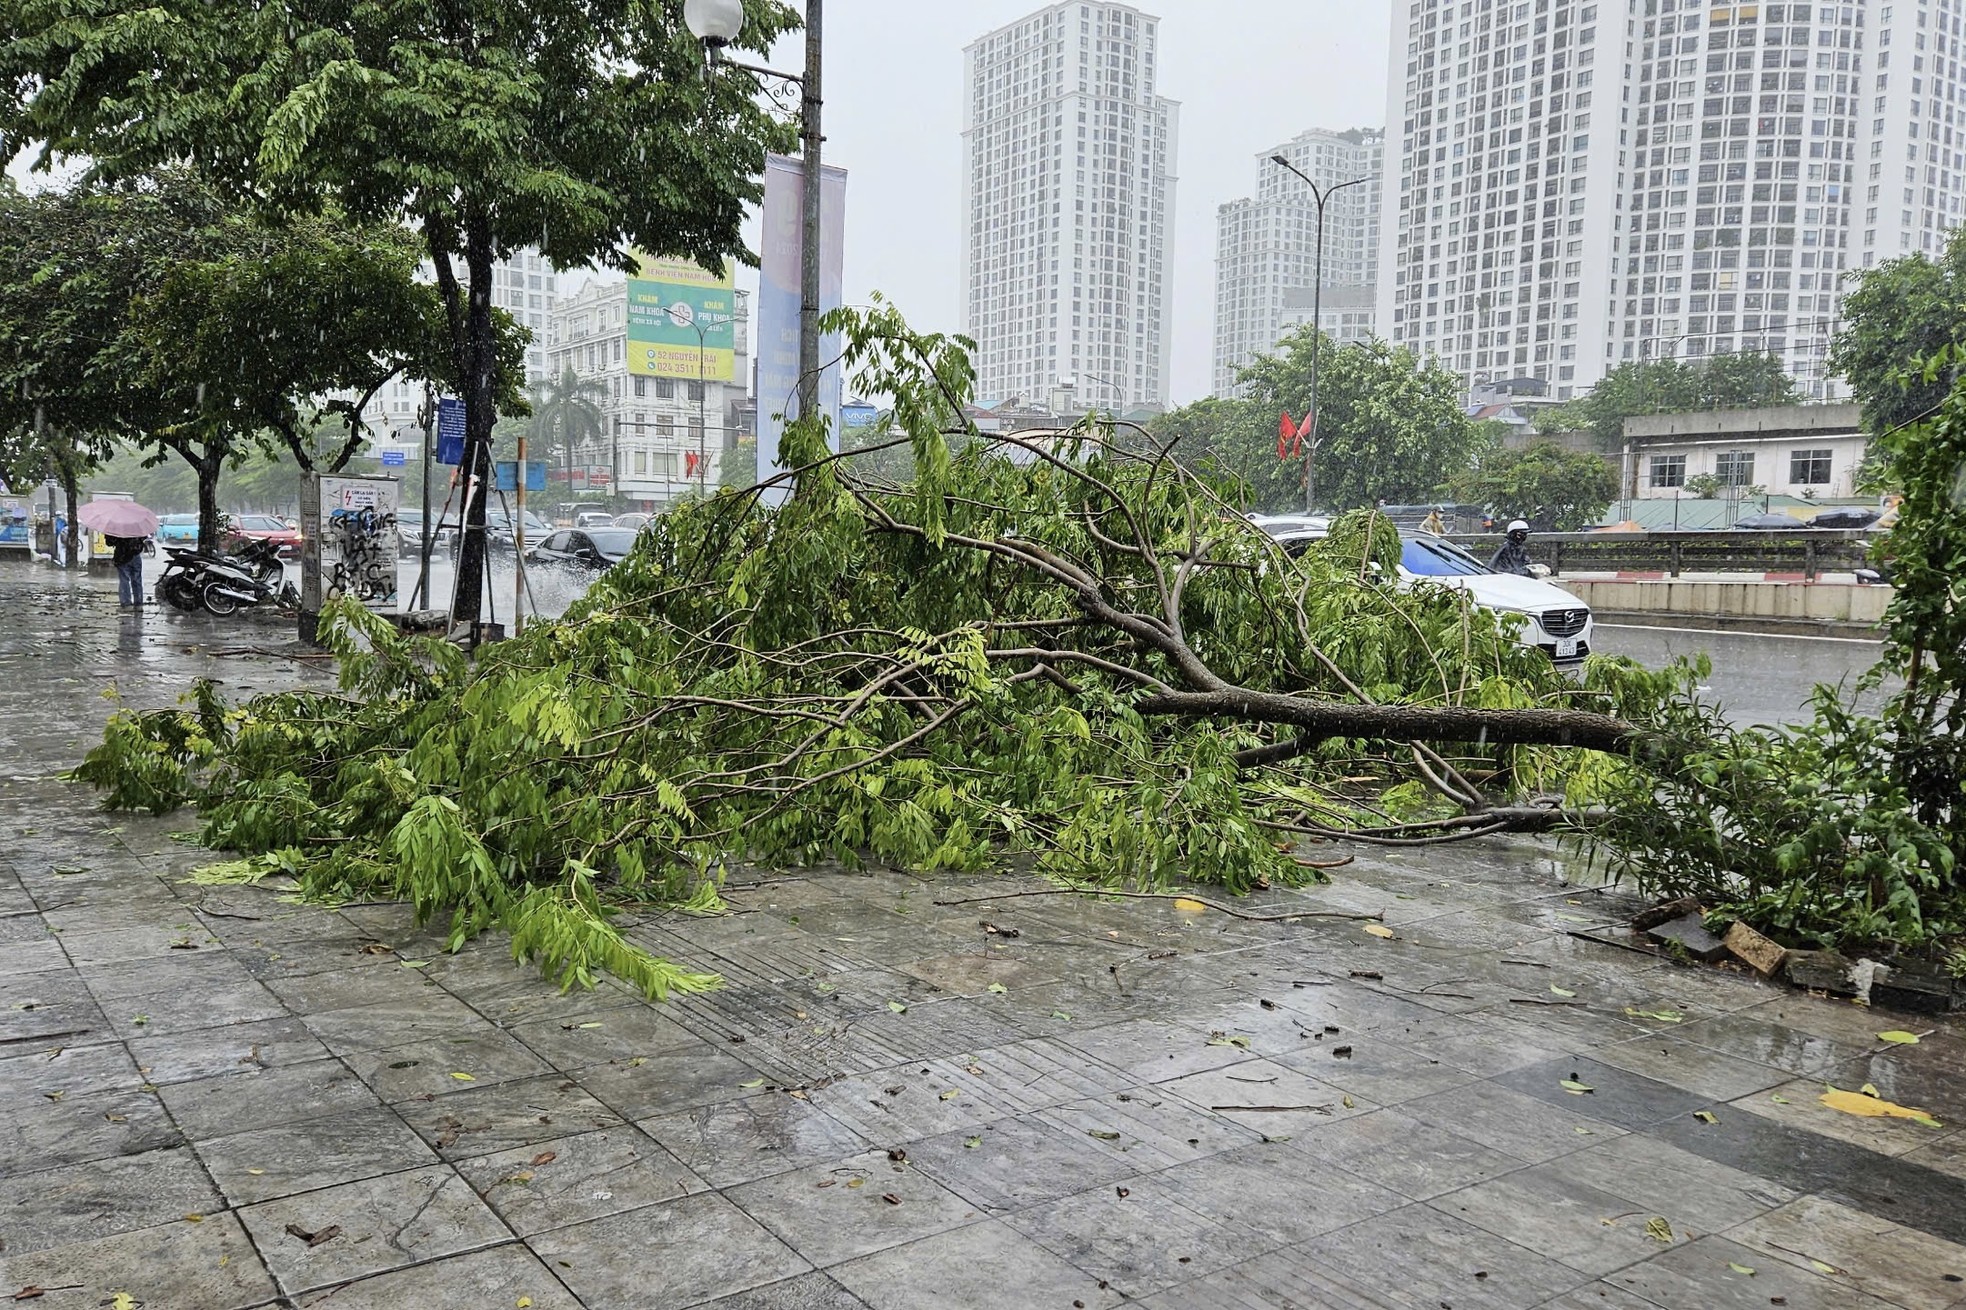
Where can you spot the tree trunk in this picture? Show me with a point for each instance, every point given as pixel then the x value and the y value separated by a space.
pixel 480 361
pixel 207 466
pixel 1315 719
pixel 72 491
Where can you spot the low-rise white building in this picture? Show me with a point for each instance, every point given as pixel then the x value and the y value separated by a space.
pixel 668 436
pixel 1809 451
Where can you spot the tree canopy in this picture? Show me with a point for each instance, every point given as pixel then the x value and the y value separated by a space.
pixel 1393 428
pixel 1899 315
pixel 587 130
pixel 1744 380
pixel 1553 488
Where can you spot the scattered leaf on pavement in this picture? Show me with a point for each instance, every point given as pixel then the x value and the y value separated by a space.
pixel 1102 1134
pixel 123 1301
pixel 1663 1016
pixel 951 1094
pixel 194 1218
pixel 1658 1229
pixel 1561 991
pixel 524 1303
pixel 1223 1039
pixel 1575 1088
pixel 416 964
pixel 890 1198
pixel 971 1143
pixel 1898 1037
pixel 897 1007
pixel 1741 1269
pixel 1060 1014
pixel 1823 1266
pixel 1705 1116
pixel 1191 906
pixel 463 1077
pixel 755 1082
pixel 545 1157
pixel 1869 1105
pixel 1379 930
pixel 998 988
pixel 1779 1100
pixel 856 1182
pixel 595 1024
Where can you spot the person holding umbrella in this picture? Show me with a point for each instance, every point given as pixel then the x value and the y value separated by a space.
pixel 126 526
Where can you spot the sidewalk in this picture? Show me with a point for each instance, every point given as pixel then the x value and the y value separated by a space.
pixel 217 1100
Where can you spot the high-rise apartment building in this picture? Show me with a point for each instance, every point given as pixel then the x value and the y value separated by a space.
pixel 1266 249
pixel 1578 183
pixel 1068 206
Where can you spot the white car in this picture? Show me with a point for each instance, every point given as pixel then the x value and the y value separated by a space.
pixel 1554 621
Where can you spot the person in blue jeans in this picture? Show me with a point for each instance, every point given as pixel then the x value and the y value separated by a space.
pixel 128 558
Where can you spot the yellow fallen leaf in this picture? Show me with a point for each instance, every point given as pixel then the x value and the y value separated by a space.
pixel 1868 1105
pixel 1192 907
pixel 464 1077
pixel 123 1301
pixel 255 1172
pixel 1350 1104
pixel 524 1303
pixel 194 1219
pixel 856 1182
pixel 1575 1088
pixel 1823 1266
pixel 1705 1116
pixel 1898 1037
pixel 951 1094
pixel 1379 930
pixel 1740 1268
pixel 416 964
pixel 1658 1229
pixel 1561 991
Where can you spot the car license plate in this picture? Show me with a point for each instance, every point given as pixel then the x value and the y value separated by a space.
pixel 1566 648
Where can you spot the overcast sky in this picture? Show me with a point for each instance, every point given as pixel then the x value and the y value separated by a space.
pixel 1249 75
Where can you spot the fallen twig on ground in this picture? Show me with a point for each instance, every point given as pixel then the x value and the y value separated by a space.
pixel 1164 896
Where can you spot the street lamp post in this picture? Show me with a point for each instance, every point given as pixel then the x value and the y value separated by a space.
pixel 717 23
pixel 1317 322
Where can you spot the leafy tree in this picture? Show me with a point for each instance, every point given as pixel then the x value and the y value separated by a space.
pixel 1900 314
pixel 1553 488
pixel 1393 428
pixel 567 415
pixel 1747 380
pixel 586 129
pixel 157 315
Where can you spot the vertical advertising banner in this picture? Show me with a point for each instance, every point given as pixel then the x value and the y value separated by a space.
pixel 675 311
pixel 778 303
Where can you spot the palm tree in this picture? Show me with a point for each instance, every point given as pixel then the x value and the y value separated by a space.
pixel 567 412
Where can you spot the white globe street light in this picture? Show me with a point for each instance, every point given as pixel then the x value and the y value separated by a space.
pixel 714 22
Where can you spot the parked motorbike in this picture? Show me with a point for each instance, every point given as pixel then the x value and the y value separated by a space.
pixel 222 585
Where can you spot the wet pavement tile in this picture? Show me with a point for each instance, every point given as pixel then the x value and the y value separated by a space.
pixel 60 1068
pixel 680 1253
pixel 809 1292
pixel 1873 1255
pixel 443 1065
pixel 852 1207
pixel 1418 1160
pixel 101 1198
pixel 1670 1059
pixel 969 1269
pixel 763 1134
pixel 1688 1191
pixel 384 1223
pixel 382 981
pixel 316 1153
pixel 1428 1258
pixel 1149 1128
pixel 1799 1105
pixel 1266 1098
pixel 400 1022
pixel 1139 1237
pixel 1276 1193
pixel 236 1049
pixel 1616 1096
pixel 1759 1038
pixel 570 1180
pixel 642 1087
pixel 1526 1127
pixel 506 1275
pixel 486 1120
pixel 51 1129
pixel 234 1103
pixel 1374 1068
pixel 1546 1210
pixel 620 1033
pixel 210 1264
pixel 1017 1162
pixel 1701 1274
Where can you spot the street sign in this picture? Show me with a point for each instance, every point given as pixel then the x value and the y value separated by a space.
pixel 394 459
pixel 507 472
pixel 450 431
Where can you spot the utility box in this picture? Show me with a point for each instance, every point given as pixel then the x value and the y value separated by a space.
pixel 349 543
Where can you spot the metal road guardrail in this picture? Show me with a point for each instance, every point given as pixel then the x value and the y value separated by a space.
pixel 1806 552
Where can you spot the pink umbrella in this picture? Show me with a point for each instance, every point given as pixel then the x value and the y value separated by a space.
pixel 117 518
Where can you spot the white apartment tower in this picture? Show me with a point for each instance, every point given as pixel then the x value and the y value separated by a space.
pixel 1266 264
pixel 1068 206
pixel 1585 182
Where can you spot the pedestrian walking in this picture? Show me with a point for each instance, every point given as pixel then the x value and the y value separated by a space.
pixel 128 558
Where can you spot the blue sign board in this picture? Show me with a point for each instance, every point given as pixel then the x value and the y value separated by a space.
pixel 508 474
pixel 858 416
pixel 450 431
pixel 394 459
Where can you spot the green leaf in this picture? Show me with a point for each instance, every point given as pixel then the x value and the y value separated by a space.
pixel 1561 991
pixel 1574 1087
pixel 1898 1037
pixel 1742 1269
pixel 997 989
pixel 897 1007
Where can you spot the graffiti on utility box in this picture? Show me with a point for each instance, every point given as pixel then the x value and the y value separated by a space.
pixel 350 540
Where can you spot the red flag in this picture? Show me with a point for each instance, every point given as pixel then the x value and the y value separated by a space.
pixel 689 463
pixel 1284 434
pixel 1304 428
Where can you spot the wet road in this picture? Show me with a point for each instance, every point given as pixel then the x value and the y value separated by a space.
pixel 1758 678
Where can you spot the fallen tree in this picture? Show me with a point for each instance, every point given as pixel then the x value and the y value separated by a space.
pixel 1065 647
